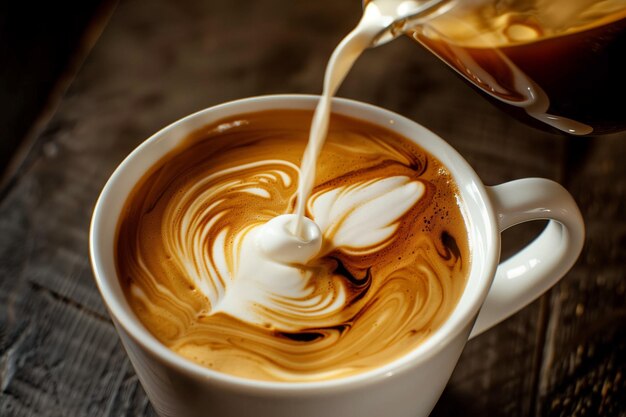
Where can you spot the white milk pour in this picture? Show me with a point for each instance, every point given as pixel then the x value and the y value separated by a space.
pixel 382 21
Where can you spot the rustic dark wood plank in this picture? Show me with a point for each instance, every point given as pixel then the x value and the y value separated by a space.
pixel 160 60
pixel 584 366
pixel 41 50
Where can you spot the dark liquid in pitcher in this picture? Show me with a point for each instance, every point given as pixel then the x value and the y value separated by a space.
pixel 573 81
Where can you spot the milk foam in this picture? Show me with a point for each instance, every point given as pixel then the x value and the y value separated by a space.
pixel 363 216
pixel 278 242
pixel 264 280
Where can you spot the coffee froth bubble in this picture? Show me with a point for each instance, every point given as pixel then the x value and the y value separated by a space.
pixel 388 262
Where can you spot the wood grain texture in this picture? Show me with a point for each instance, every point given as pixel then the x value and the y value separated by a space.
pixel 40 50
pixel 158 61
pixel 584 364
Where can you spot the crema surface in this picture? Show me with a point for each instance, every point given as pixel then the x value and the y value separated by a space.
pixel 392 266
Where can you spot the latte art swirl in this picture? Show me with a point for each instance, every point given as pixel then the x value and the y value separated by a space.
pixel 390 269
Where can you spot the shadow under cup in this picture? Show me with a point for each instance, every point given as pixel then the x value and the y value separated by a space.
pixel 408 386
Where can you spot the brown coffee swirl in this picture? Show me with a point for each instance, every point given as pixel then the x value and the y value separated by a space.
pixel 392 267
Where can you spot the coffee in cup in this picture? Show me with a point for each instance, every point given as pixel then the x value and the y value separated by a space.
pixel 191 251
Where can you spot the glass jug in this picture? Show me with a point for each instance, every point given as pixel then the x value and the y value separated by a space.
pixel 556 64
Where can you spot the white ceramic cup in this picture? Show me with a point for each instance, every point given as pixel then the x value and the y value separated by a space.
pixel 407 387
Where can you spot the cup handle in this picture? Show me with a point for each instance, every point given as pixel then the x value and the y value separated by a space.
pixel 533 270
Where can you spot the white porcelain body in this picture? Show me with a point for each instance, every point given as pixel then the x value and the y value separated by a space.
pixel 181 394
pixel 409 386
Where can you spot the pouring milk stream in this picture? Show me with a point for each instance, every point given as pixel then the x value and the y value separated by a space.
pixel 295 238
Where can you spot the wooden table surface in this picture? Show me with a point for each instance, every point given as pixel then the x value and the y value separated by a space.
pixel 156 61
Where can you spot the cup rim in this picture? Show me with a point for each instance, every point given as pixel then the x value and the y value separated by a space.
pixel 434 343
